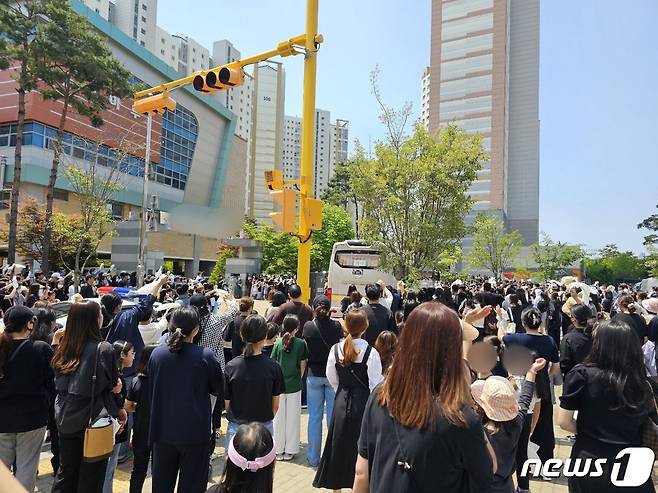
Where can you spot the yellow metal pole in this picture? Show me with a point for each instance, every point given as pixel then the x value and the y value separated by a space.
pixel 308 143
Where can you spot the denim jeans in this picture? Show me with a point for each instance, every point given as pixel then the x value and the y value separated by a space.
pixel 111 467
pixel 232 429
pixel 22 449
pixel 124 448
pixel 319 393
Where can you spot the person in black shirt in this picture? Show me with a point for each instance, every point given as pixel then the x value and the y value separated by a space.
pixel 182 376
pixel 628 316
pixel 613 398
pixel 253 382
pixel 232 333
pixel 137 401
pixel 577 343
pixel 26 381
pixel 410 303
pixel 419 432
pixel 380 318
pixel 89 290
pixel 320 335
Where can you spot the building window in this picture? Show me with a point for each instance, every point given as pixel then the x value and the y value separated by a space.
pixel 143 7
pixel 61 195
pixel 142 43
pixel 162 52
pixel 143 19
pixel 143 30
pixel 116 209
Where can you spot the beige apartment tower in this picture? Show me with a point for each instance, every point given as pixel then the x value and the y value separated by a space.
pixel 484 77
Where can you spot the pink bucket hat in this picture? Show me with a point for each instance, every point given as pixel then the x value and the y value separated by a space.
pixel 651 305
pixel 496 396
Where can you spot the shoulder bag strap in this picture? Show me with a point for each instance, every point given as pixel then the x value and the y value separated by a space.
pixel 317 327
pixel 93 383
pixel 20 346
pixel 402 459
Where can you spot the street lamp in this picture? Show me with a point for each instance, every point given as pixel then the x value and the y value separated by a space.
pixel 141 262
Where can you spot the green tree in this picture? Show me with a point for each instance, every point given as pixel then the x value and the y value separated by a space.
pixel 493 249
pixel 19 48
pixel 224 252
pixel 336 226
pixel 414 196
pixel 339 189
pixel 78 70
pixel 279 249
pixel 554 259
pixel 612 266
pixel 650 223
pixel 651 261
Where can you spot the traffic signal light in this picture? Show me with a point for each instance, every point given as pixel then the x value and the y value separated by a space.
pixel 152 105
pixel 231 76
pixel 274 179
pixel 219 78
pixel 199 84
pixel 285 219
pixel 313 211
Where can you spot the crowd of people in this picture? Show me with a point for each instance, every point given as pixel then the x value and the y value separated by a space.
pixel 438 389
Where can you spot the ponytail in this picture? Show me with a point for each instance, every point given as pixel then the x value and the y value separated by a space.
pixel 290 326
pixel 531 318
pixel 582 314
pixel 627 302
pixel 252 330
pixel 183 322
pixel 356 323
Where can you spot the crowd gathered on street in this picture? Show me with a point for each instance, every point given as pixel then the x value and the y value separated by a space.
pixel 443 388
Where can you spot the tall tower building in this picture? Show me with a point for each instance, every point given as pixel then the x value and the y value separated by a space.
pixel 425 99
pixel 266 135
pixel 331 146
pixel 182 53
pixel 484 77
pixel 136 18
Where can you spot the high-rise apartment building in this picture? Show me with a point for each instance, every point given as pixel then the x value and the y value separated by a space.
pixel 484 77
pixel 331 146
pixel 425 99
pixel 182 53
pixel 101 7
pixel 266 135
pixel 240 99
pixel 136 18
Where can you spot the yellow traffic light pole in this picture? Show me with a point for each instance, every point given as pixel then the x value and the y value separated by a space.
pixel 156 100
pixel 308 143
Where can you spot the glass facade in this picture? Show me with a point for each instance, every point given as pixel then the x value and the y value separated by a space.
pixel 461 8
pixel 179 135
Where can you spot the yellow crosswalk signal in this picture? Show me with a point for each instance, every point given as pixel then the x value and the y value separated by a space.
pixel 285 218
pixel 313 211
pixel 152 105
pixel 274 179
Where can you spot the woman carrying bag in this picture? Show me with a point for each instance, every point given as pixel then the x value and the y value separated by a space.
pixel 86 376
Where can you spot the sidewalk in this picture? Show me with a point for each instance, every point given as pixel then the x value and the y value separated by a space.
pixel 289 477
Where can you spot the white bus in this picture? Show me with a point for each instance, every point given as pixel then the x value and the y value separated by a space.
pixel 354 262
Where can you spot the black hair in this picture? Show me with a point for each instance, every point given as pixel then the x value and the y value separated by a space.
pixel 15 320
pixel 272 330
pixel 251 441
pixel 109 303
pixel 89 276
pixel 199 302
pixel 182 289
pixel 252 330
pixel 278 299
pixel 289 327
pixel 121 348
pixel 584 318
pixel 182 323
pixel 143 365
pixel 522 296
pixel 616 352
pixel 531 318
pixel 486 286
pixel 411 295
pixel 294 291
pixel 373 292
pixel 42 330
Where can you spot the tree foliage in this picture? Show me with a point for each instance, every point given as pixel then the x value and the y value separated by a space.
pixel 555 258
pixel 650 223
pixel 612 266
pixel 224 252
pixel 340 191
pixel 415 197
pixel 336 226
pixel 79 70
pixel 493 249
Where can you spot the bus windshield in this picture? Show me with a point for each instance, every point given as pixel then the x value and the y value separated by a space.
pixel 357 259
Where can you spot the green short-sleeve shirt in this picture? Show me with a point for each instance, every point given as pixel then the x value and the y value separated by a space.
pixel 290 363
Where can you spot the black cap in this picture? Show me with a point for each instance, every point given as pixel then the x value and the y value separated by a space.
pixel 17 317
pixel 322 300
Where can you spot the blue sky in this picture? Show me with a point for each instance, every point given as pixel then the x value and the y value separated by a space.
pixel 598 98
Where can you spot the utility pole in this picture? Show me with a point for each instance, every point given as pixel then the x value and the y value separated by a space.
pixel 143 223
pixel 308 142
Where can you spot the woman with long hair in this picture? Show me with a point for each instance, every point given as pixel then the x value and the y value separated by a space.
pixel 353 370
pixel 627 315
pixel 576 344
pixel 613 398
pixel 386 345
pixel 233 343
pixel 182 376
pixel 419 432
pixel 79 355
pixel 320 335
pixel 26 381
